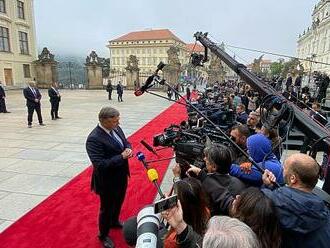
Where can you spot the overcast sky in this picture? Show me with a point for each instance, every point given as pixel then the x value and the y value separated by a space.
pixel 76 27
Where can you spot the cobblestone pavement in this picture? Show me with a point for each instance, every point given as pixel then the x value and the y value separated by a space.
pixel 35 162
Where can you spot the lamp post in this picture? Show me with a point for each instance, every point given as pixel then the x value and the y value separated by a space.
pixel 311 58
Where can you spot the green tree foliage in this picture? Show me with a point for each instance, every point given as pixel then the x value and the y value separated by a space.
pixel 292 67
pixel 276 68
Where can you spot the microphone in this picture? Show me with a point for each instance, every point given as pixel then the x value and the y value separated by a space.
pixel 146 86
pixel 149 81
pixel 151 172
pixel 152 175
pixel 149 147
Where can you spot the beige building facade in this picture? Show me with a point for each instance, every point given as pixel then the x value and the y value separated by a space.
pixel 314 43
pixel 17 42
pixel 150 47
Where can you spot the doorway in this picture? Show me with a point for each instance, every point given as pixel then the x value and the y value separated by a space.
pixel 8 77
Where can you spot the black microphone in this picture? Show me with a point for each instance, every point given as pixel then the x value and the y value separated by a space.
pixel 149 147
pixel 146 86
pixel 148 83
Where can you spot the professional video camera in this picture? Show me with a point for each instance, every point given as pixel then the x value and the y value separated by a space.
pixel 187 145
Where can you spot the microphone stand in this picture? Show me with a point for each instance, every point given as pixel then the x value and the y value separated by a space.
pixel 155 94
pixel 188 103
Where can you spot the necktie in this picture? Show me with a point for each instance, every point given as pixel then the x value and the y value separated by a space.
pixel 34 92
pixel 116 138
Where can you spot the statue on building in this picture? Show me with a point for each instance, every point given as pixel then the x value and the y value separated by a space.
pixel 216 70
pixel 132 63
pixel 173 69
pixel 93 59
pixel 46 69
pixel 46 56
pixel 173 58
pixel 132 72
pixel 256 65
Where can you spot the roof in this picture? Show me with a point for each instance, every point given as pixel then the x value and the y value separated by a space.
pixel 160 34
pixel 193 47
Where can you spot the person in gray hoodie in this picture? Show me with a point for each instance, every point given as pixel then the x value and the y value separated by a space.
pixel 304 218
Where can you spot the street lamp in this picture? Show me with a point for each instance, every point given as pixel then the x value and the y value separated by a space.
pixel 311 58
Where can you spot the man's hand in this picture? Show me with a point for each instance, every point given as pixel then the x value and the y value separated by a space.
pixel 176 170
pixel 193 169
pixel 246 167
pixel 174 217
pixel 268 178
pixel 130 152
pixel 127 153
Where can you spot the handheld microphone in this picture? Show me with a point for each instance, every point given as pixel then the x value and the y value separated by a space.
pixel 148 83
pixel 152 173
pixel 149 147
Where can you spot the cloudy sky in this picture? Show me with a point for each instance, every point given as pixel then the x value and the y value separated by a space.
pixel 76 27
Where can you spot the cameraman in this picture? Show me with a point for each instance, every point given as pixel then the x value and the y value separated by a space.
pixel 239 135
pixel 218 162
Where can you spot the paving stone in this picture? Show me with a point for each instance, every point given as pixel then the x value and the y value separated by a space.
pixel 33 184
pixel 23 203
pixel 37 161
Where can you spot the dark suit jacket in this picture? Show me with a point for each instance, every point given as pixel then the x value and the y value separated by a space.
pixel 30 97
pixel 108 164
pixel 53 95
pixel 2 92
pixel 119 89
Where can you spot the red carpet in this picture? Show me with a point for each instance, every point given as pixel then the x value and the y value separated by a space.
pixel 68 218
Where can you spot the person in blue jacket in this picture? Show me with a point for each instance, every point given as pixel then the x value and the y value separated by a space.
pixel 304 218
pixel 260 150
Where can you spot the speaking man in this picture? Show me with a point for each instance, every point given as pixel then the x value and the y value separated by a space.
pixel 109 150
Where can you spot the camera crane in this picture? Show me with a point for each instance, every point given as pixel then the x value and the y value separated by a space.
pixel 301 120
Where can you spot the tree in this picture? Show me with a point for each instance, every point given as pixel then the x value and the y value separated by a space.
pixel 276 68
pixel 293 67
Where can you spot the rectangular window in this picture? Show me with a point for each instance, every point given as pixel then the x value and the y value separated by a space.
pixel 20 10
pixel 26 69
pixel 23 42
pixel 4 40
pixel 2 6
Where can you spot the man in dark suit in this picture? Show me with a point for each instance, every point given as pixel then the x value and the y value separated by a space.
pixel 120 91
pixel 33 97
pixel 109 150
pixel 3 108
pixel 109 89
pixel 54 98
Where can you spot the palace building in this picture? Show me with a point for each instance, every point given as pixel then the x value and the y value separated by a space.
pixel 17 42
pixel 150 47
pixel 314 43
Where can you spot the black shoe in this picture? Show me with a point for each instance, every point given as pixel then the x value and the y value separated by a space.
pixel 7 112
pixel 58 117
pixel 107 242
pixel 41 124
pixel 53 118
pixel 117 224
pixel 29 125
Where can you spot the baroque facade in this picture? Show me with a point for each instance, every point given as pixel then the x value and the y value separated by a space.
pixel 314 43
pixel 17 42
pixel 150 47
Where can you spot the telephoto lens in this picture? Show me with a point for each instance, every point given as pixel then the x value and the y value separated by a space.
pixel 147 228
